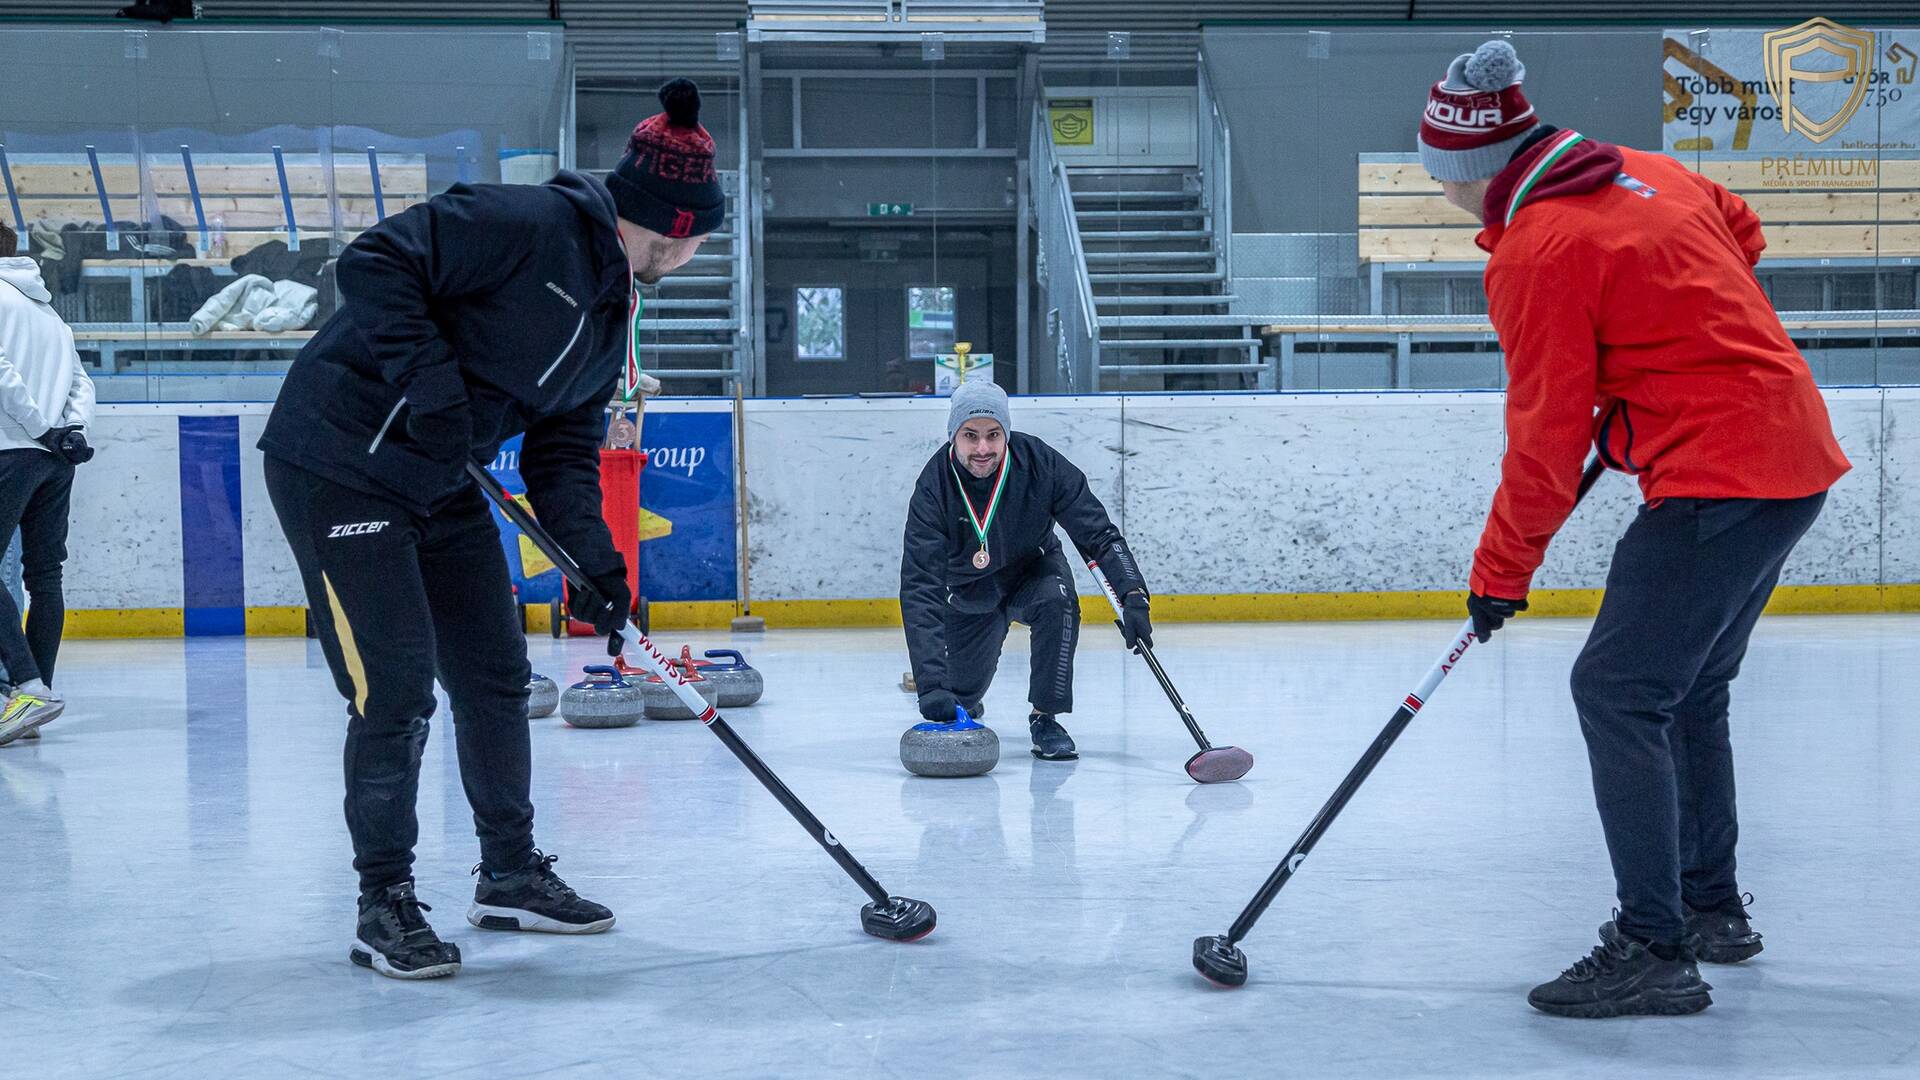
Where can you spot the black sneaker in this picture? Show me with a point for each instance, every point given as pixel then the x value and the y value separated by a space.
pixel 395 940
pixel 534 898
pixel 1723 935
pixel 1719 936
pixel 1623 977
pixel 1050 741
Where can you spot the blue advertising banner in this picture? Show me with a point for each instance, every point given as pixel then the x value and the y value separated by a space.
pixel 535 581
pixel 688 543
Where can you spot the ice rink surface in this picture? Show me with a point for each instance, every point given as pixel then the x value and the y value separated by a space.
pixel 181 899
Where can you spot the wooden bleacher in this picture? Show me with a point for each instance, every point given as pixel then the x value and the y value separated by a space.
pixel 1406 226
pixel 1395 337
pixel 244 207
pixel 239 191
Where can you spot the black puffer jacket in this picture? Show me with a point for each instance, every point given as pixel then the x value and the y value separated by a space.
pixel 503 305
pixel 936 567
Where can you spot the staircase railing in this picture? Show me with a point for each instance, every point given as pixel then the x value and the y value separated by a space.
pixel 1066 287
pixel 1216 169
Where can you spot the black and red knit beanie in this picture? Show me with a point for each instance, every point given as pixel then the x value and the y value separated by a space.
pixel 665 181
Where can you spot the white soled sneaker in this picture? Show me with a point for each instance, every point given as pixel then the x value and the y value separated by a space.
pixel 27 708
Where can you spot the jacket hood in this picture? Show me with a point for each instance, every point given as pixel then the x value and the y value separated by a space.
pixel 24 274
pixel 595 203
pixel 1564 163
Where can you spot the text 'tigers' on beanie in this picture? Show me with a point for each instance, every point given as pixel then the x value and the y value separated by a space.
pixel 665 181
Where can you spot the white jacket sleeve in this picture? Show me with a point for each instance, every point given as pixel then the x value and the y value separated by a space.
pixel 224 308
pixel 79 410
pixel 17 403
pixel 292 307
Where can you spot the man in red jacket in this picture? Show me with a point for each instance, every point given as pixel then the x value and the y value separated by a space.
pixel 1622 287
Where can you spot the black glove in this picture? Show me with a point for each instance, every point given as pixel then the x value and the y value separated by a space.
pixel 938 706
pixel 1490 613
pixel 1135 627
pixel 607 606
pixel 69 442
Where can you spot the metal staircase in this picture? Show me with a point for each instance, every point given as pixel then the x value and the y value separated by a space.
pixel 693 330
pixel 1159 277
pixel 1158 245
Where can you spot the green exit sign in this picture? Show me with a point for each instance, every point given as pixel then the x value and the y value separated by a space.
pixel 889 209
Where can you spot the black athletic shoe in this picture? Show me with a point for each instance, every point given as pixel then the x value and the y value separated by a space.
pixel 1622 977
pixel 1723 935
pixel 395 940
pixel 1050 741
pixel 1720 936
pixel 534 898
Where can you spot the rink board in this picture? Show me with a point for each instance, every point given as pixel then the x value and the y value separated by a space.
pixel 1239 506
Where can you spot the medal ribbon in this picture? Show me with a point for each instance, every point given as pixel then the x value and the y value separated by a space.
pixel 980 524
pixel 630 375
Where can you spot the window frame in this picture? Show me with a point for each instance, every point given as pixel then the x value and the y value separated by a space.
pixel 799 355
pixel 906 296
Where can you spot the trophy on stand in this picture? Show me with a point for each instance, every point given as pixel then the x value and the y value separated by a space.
pixel 952 369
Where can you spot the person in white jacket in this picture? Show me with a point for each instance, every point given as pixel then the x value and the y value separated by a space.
pixel 46 403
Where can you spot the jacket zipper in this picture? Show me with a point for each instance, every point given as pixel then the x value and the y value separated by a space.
pixel 582 325
pixel 382 433
pixel 1623 463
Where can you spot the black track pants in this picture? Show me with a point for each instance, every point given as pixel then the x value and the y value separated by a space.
pixel 1688 582
pixel 1044 599
pixel 398 599
pixel 36 493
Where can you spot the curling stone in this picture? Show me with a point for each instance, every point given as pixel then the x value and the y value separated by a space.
pixel 603 700
pixel 907 685
pixel 740 685
pixel 961 748
pixel 543 696
pixel 662 703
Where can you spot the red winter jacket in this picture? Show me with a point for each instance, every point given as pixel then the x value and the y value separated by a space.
pixel 1622 287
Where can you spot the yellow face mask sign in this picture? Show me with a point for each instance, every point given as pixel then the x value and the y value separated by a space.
pixel 1071 120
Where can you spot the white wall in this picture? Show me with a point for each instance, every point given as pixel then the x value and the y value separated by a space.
pixel 1269 493
pixel 1217 494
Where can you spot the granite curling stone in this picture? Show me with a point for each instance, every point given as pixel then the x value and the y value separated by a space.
pixel 543 696
pixel 662 703
pixel 603 700
pixel 960 748
pixel 739 682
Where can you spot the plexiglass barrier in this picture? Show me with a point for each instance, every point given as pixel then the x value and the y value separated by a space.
pixel 1237 209
pixel 185 191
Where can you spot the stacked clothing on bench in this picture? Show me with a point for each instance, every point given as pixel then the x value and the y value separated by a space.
pixel 311 266
pixel 63 255
pixel 255 303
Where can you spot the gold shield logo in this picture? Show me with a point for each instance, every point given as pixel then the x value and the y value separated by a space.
pixel 1851 49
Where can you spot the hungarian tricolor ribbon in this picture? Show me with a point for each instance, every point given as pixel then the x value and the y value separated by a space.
pixel 982 523
pixel 630 376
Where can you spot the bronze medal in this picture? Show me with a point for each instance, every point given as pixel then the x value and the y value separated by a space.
pixel 982 522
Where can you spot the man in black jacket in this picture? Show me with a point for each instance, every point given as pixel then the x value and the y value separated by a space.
pixel 488 311
pixel 980 552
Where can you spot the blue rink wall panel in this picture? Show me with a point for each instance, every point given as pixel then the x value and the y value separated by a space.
pixel 1219 494
pixel 212 564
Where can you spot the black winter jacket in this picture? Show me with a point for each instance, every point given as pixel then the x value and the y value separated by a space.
pixel 503 304
pixel 936 568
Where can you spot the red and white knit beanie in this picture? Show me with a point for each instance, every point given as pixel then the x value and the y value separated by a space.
pixel 1476 117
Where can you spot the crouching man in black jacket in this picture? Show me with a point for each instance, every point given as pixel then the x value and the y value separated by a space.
pixel 486 312
pixel 981 552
